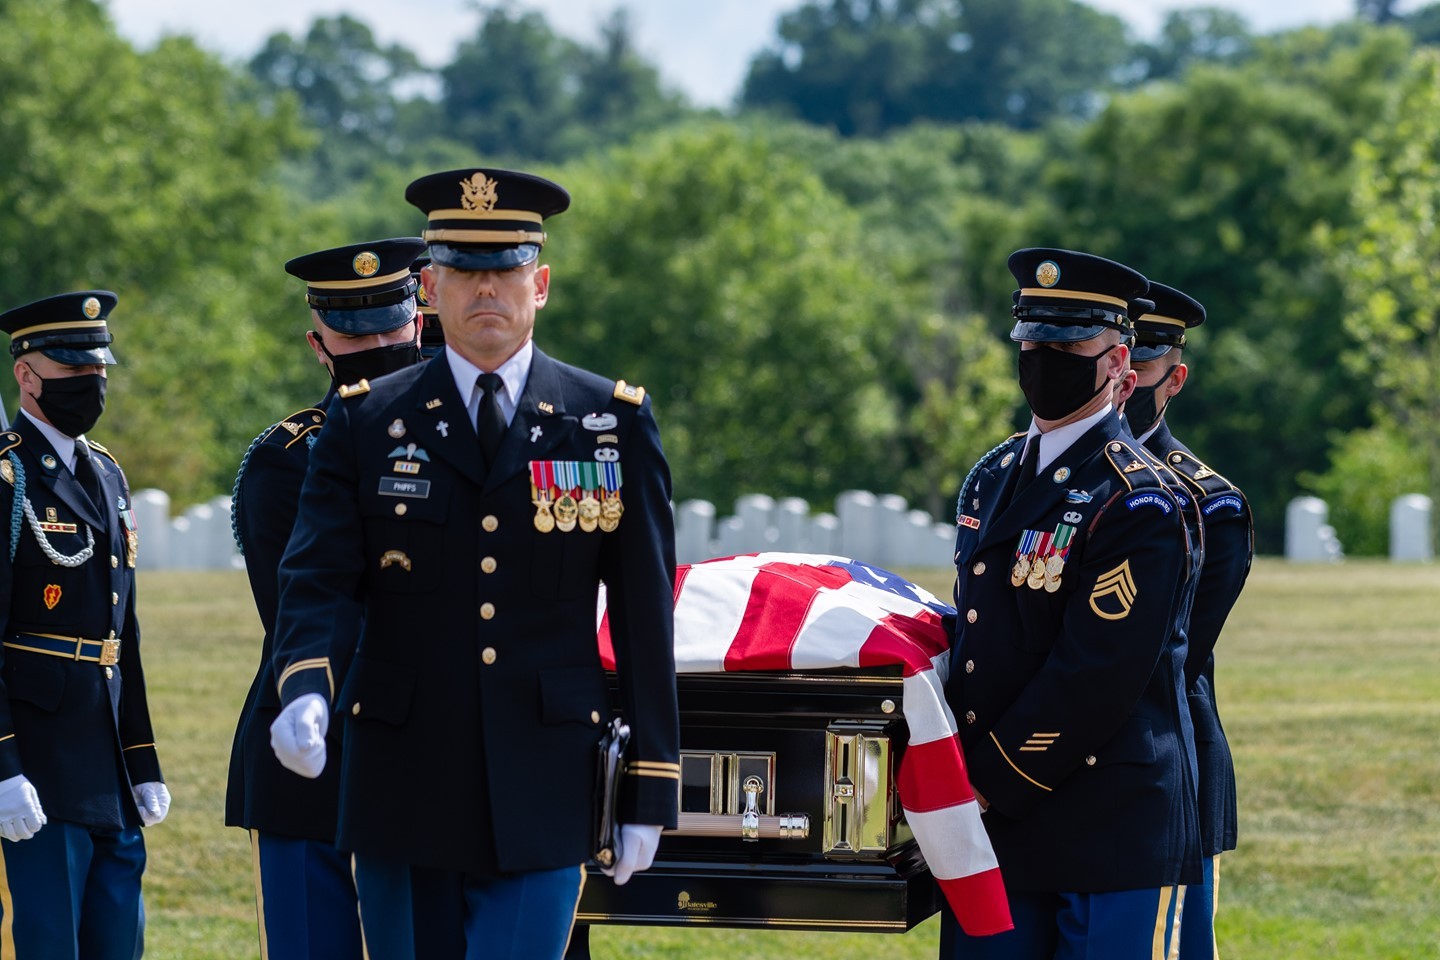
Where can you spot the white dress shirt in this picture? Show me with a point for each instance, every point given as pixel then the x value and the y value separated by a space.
pixel 64 446
pixel 513 372
pixel 1057 441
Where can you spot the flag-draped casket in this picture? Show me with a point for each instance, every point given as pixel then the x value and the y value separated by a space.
pixel 822 785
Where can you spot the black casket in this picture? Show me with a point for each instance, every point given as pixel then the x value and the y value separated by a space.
pixel 789 819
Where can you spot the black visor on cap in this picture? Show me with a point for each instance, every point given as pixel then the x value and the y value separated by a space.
pixel 484 256
pixel 1149 351
pixel 1043 331
pixel 74 357
pixel 370 320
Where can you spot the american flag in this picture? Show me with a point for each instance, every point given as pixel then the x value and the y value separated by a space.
pixel 801 612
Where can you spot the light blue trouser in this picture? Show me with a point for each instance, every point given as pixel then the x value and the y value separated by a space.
pixel 305 900
pixel 413 913
pixel 1124 925
pixel 72 893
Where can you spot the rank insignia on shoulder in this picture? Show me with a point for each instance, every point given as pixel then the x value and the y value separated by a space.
pixel 354 389
pixel 1134 465
pixel 623 391
pixel 1114 593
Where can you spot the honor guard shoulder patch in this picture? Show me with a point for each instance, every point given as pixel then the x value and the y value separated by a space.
pixel 354 389
pixel 623 391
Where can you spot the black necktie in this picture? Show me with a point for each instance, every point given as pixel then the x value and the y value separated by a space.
pixel 489 422
pixel 85 473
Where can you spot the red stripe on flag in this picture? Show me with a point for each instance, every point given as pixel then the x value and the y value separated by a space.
pixel 912 641
pixel 607 646
pixel 779 602
pixel 979 903
pixel 932 775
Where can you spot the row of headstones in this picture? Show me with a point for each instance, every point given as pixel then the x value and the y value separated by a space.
pixel 878 529
pixel 1309 538
pixel 881 530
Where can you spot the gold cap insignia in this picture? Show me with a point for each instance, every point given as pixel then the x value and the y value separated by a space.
pixel 366 264
pixel 420 295
pixel 1047 274
pixel 91 307
pixel 479 192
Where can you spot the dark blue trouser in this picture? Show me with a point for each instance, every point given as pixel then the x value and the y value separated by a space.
pixel 1197 922
pixel 1123 925
pixel 72 893
pixel 415 913
pixel 305 900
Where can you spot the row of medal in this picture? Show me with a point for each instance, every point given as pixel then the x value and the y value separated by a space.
pixel 1040 558
pixel 573 493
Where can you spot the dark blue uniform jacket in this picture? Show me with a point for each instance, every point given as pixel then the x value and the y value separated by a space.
pixel 78 729
pixel 262 794
pixel 1069 695
pixel 1229 547
pixel 476 697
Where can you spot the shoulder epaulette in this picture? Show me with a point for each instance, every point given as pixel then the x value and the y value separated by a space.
pixel 1206 482
pixel 354 389
pixel 99 449
pixel 623 391
pixel 1133 467
pixel 294 427
pixel 9 440
pixel 980 464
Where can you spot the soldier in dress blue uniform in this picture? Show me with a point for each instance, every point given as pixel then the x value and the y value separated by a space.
pixel 1229 546
pixel 363 306
pixel 79 774
pixel 1065 675
pixel 471 506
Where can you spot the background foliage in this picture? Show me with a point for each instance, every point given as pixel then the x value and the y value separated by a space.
pixel 810 283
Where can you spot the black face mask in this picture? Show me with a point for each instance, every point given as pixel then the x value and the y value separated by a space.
pixel 71 404
pixel 372 363
pixel 1140 409
pixel 1056 383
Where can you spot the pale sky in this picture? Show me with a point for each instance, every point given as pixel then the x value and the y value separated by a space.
pixel 702 47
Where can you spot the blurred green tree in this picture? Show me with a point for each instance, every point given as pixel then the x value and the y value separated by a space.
pixel 149 174
pixel 1193 36
pixel 862 67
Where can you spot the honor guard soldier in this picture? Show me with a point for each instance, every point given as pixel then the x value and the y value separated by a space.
pixel 79 775
pixel 432 335
pixel 362 301
pixel 1229 546
pixel 473 505
pixel 1065 676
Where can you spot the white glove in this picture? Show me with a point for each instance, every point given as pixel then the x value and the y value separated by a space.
pixel 638 843
pixel 298 735
pixel 152 799
pixel 20 814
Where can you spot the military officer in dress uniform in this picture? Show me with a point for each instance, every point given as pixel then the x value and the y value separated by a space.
pixel 1065 675
pixel 79 775
pixel 363 307
pixel 473 505
pixel 1229 546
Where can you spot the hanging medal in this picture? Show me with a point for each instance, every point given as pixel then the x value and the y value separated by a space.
pixel 1036 578
pixel 610 506
pixel 589 508
pixel 1055 564
pixel 541 480
pixel 1021 570
pixel 567 511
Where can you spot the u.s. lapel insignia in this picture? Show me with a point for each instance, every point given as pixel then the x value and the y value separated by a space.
pixel 52 595
pixel 432 404
pixel 1061 475
pixel 1114 593
pixel 396 429
pixel 545 407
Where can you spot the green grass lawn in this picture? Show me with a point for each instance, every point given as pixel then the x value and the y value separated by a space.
pixel 1329 680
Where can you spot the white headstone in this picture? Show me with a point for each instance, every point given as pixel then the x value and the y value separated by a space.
pixel 201 549
pixel 893 535
pixel 694 531
pixel 859 532
pixel 825 534
pixel 182 555
pixel 732 538
pixel 1410 539
pixel 152 518
pixel 1308 536
pixel 792 524
pixel 757 512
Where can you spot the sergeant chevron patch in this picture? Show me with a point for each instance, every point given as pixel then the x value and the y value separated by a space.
pixel 1114 589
